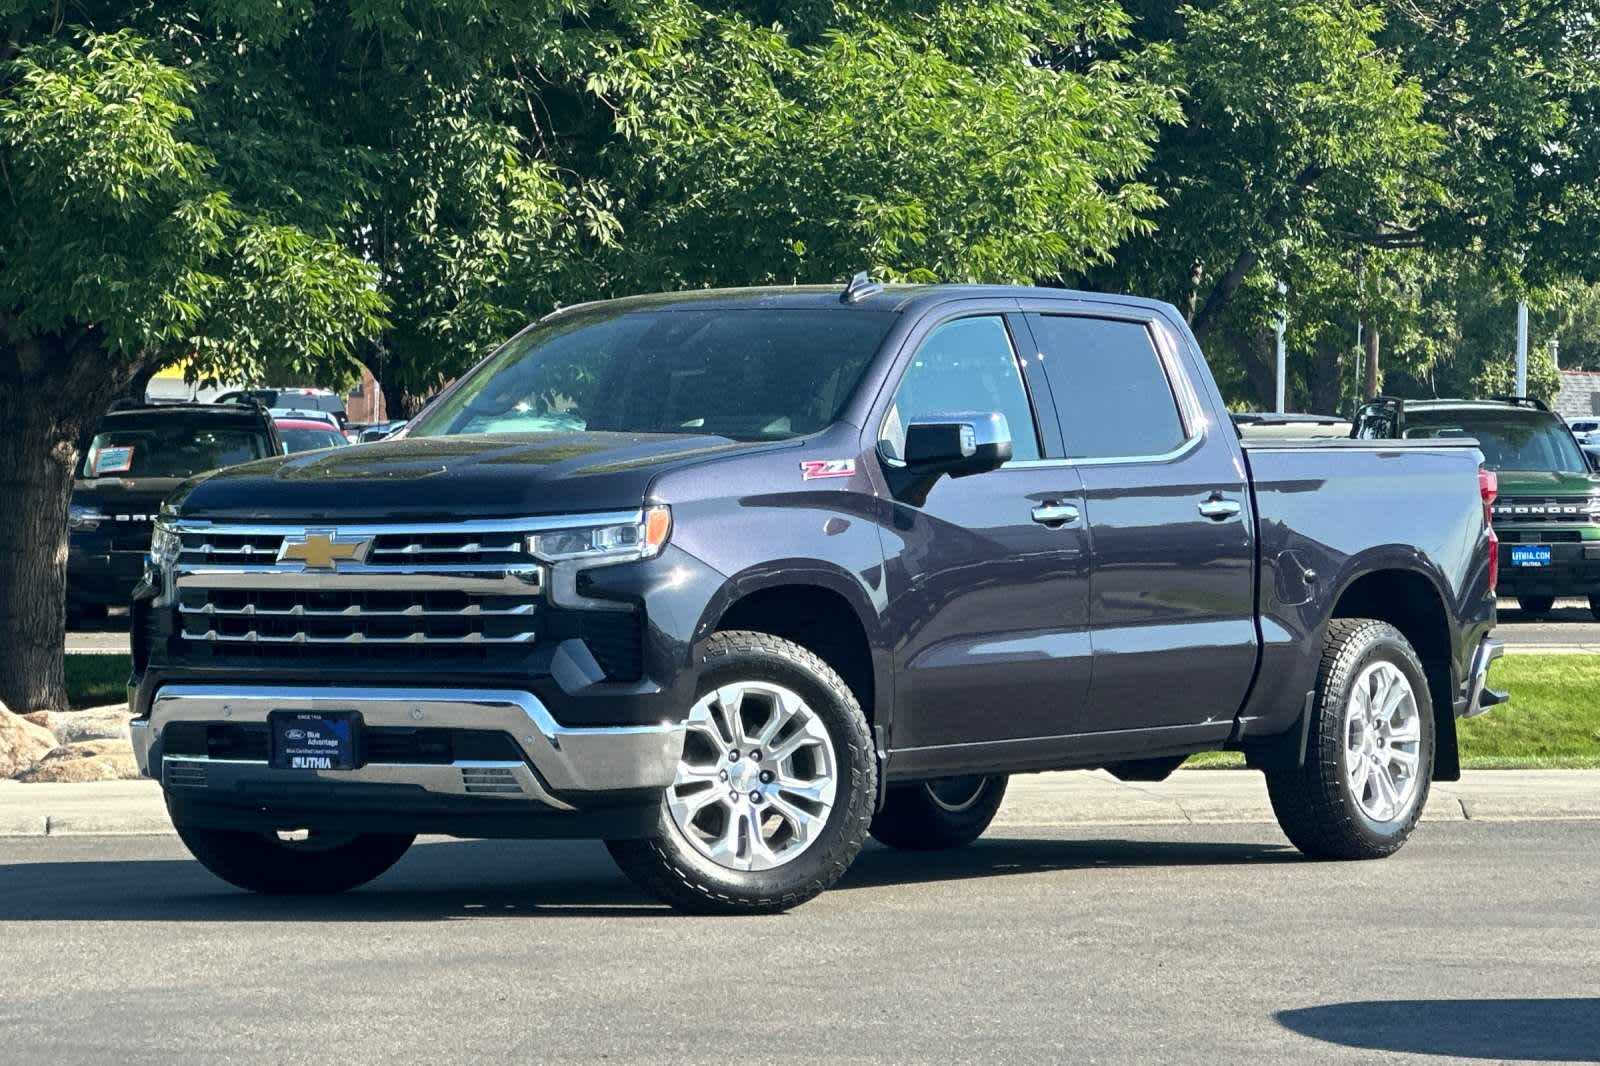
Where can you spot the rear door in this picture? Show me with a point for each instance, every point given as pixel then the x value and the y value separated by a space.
pixel 1172 587
pixel 987 579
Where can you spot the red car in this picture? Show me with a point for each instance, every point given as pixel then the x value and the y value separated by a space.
pixel 306 434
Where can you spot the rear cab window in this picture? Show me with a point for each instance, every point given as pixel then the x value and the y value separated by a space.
pixel 1111 390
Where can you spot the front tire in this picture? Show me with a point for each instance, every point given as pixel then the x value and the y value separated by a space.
pixel 1594 606
pixel 319 864
pixel 774 790
pixel 1536 606
pixel 950 812
pixel 1369 749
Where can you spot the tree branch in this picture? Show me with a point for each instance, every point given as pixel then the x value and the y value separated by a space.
pixel 1250 255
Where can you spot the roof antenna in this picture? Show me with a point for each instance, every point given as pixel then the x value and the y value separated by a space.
pixel 861 286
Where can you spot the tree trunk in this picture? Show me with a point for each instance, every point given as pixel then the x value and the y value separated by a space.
pixel 53 395
pixel 397 403
pixel 1325 380
pixel 1370 381
pixel 37 454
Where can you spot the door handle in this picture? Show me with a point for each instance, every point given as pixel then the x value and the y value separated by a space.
pixel 1218 509
pixel 1055 514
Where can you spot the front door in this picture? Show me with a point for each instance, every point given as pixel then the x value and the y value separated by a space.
pixel 988 578
pixel 1172 600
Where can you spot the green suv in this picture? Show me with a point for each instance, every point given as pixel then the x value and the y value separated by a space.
pixel 1547 514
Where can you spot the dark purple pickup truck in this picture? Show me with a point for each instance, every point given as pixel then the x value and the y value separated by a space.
pixel 733 579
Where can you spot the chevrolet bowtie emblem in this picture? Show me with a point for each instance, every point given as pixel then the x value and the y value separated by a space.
pixel 324 549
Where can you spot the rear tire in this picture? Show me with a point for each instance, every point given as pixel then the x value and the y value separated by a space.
pixel 950 812
pixel 1536 606
pixel 774 791
pixel 1594 606
pixel 1369 748
pixel 320 864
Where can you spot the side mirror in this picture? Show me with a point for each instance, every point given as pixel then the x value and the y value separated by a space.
pixel 1594 460
pixel 954 445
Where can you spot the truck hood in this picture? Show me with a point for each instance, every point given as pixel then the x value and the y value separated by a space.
pixel 445 478
pixel 1546 483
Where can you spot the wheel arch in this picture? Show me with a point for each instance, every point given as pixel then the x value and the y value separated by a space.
pixel 1410 599
pixel 824 612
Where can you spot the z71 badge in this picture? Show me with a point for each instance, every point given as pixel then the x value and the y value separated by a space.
pixel 811 469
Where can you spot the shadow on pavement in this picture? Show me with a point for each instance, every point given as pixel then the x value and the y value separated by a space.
pixel 1538 1030
pixel 443 880
pixel 999 857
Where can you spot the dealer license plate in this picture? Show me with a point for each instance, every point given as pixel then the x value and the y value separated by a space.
pixel 314 740
pixel 1530 555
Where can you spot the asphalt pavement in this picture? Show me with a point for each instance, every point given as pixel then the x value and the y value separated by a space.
pixel 1181 943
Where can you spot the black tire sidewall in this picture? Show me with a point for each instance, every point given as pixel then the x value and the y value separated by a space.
pixel 912 818
pixel 1540 604
pixel 853 797
pixel 1383 645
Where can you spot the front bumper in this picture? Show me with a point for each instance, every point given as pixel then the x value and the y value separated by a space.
pixel 562 768
pixel 1480 697
pixel 105 578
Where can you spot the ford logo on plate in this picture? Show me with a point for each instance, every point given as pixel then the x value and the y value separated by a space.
pixel 295 734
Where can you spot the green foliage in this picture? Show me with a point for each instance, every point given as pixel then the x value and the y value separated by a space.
pixel 123 246
pixel 940 147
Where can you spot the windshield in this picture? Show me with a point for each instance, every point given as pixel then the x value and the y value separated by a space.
pixel 171 450
pixel 1510 440
pixel 756 374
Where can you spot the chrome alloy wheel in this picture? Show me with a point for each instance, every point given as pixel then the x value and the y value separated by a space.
pixel 1382 742
pixel 956 794
pixel 757 778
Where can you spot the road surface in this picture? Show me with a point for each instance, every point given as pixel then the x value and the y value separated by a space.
pixel 1182 944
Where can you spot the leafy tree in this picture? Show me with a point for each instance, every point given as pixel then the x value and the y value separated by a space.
pixel 282 188
pixel 1364 152
pixel 123 246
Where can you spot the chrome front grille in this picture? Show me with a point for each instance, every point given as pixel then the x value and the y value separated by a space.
pixel 402 548
pixel 1530 510
pixel 403 595
pixel 336 616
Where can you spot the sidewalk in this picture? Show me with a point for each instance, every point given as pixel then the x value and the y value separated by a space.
pixel 1061 799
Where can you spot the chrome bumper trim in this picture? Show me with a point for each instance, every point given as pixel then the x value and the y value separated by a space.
pixel 1479 696
pixel 567 759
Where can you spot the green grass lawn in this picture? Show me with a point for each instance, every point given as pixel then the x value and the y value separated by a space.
pixel 1552 721
pixel 93 680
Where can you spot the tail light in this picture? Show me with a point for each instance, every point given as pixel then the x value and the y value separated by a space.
pixel 1489 488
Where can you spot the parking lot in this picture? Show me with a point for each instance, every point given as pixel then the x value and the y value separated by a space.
pixel 1113 944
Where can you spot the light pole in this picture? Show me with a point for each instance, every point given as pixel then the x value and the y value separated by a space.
pixel 1283 354
pixel 1522 348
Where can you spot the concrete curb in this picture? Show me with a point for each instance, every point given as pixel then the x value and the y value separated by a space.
pixel 135 808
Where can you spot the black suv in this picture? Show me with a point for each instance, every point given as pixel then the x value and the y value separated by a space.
pixel 137 456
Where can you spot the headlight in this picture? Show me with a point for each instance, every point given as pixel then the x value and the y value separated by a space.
pixel 165 544
pixel 617 542
pixel 84 518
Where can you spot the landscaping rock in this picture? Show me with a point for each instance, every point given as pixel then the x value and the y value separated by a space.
pixel 22 743
pixel 86 760
pixel 96 723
